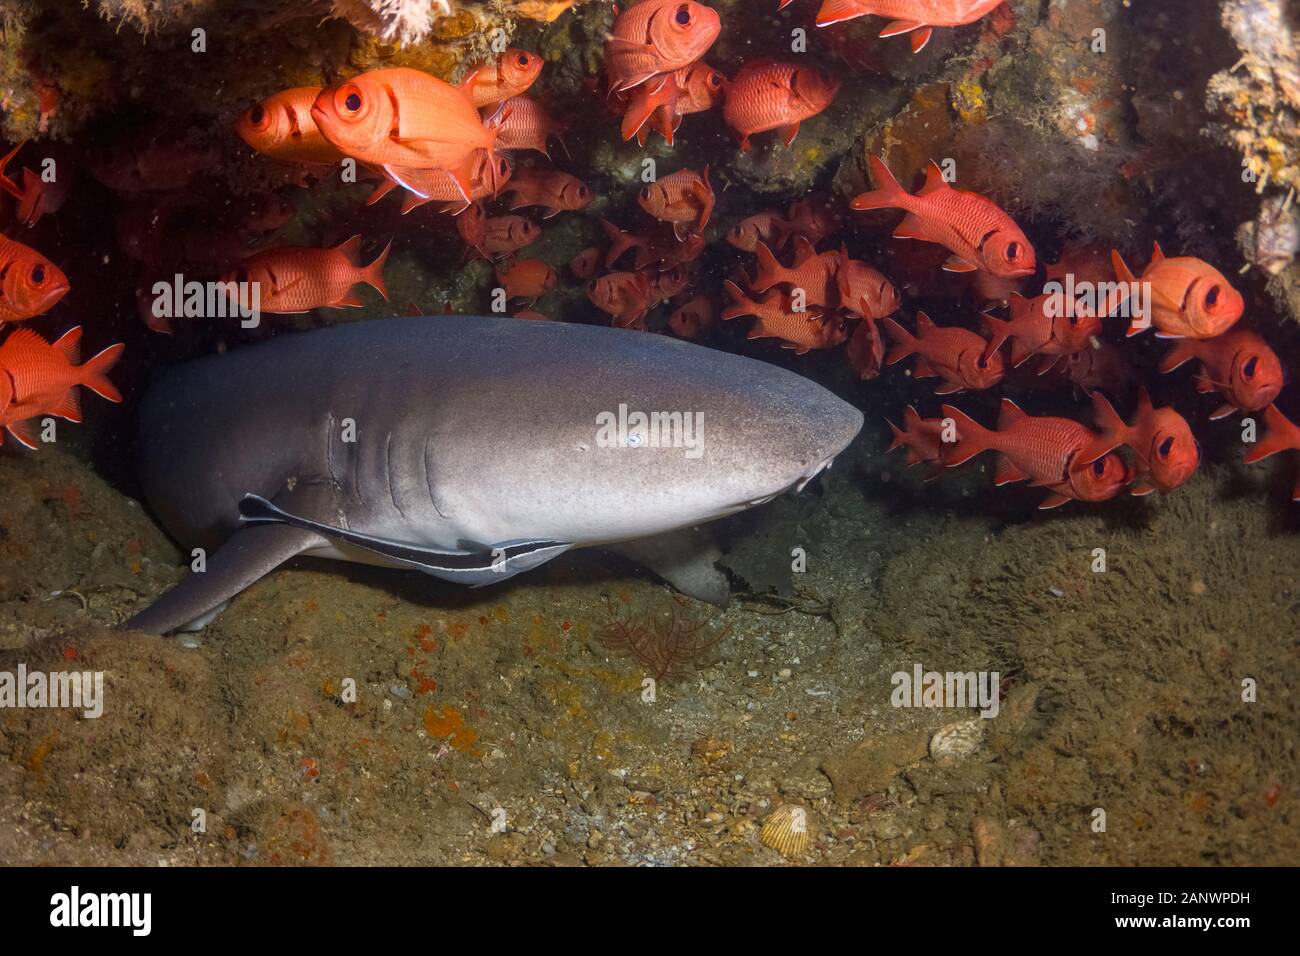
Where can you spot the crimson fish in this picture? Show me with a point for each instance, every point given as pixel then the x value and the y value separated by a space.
pixel 813 218
pixel 694 320
pixel 864 291
pixel 403 118
pixel 664 285
pixel 1103 366
pixel 510 74
pixel 620 241
pixel 624 295
pixel 760 227
pixel 471 226
pixel 30 284
pixel 978 233
pixel 523 123
pixel 41 378
pixel 1189 297
pixel 153 163
pixel 1165 450
pixel 439 186
pixel 780 96
pixel 37 196
pixel 586 262
pixel 1282 434
pixel 917 17
pixel 684 199
pixel 554 191
pixel 921 437
pixel 1238 364
pixel 528 279
pixel 281 126
pixel 777 318
pixel 812 273
pixel 657 36
pixel 298 279
pixel 1050 325
pixel 865 351
pixel 1046 451
pixel 956 355
pixel 503 235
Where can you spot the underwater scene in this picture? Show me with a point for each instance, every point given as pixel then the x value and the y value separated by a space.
pixel 664 433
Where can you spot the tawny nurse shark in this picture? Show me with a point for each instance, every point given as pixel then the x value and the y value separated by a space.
pixel 469 448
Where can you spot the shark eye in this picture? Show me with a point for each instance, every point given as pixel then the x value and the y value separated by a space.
pixel 1165 447
pixel 1250 368
pixel 38 274
pixel 683 15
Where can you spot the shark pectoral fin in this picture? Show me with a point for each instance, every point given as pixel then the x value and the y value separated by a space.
pixel 686 559
pixel 475 568
pixel 250 554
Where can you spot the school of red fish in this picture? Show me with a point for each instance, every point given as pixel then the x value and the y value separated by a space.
pixel 459 148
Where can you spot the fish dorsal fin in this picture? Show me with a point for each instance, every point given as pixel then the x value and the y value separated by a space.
pixel 924 324
pixel 803 249
pixel 934 181
pixel 351 249
pixel 69 343
pixel 1008 414
pixel 1157 255
pixel 23 339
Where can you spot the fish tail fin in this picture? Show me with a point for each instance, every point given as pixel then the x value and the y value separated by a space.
pixel 741 303
pixel 1126 281
pixel 770 270
pixel 1111 430
pixel 972 437
pixel 94 374
pixel 373 274
pixel 69 343
pixel 837 11
pixel 904 343
pixel 888 193
pixel 1183 351
pixel 999 331
pixel 1281 434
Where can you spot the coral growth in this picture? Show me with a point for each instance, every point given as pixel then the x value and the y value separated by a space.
pixel 405 22
pixel 664 645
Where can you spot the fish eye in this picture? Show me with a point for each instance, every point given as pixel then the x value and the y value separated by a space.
pixel 583 191
pixel 1165 447
pixel 38 274
pixel 982 362
pixel 715 79
pixel 593 285
pixel 1099 467
pixel 349 99
pixel 523 59
pixel 1251 367
pixel 1212 297
pixel 684 15
pixel 1013 252
pixel 1074 321
pixel 256 115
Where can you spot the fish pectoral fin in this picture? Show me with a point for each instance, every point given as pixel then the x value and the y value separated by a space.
pixel 958 264
pixel 899 27
pixel 471 567
pixel 250 554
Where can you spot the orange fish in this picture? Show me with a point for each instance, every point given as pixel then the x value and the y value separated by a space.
pixel 624 295
pixel 620 241
pixel 662 105
pixel 471 226
pixel 917 17
pixel 777 318
pixel 1049 325
pixel 975 230
pixel 664 285
pixel 39 378
pixel 683 198
pixel 522 123
pixel 510 74
pixel 298 279
pixel 503 235
pixel 921 437
pixel 528 279
pixel 863 291
pixel 1189 297
pixel 695 320
pixel 813 218
pixel 438 185
pixel 668 252
pixel 1282 435
pixel 1104 366
pixel 865 352
pixel 760 227
pixel 553 190
pixel 1165 450
pixel 1047 451
pixel 657 36
pixel 813 274
pixel 1238 364
pixel 36 196
pixel 956 355
pixel 281 126
pixel 30 284
pixel 766 96
pixel 403 118
pixel 585 263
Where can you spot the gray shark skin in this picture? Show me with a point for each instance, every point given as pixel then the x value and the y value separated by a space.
pixel 468 447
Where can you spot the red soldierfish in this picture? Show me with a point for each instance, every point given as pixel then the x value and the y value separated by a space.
pixel 510 74
pixel 1282 435
pixel 299 279
pixel 1189 297
pixel 695 320
pixel 766 96
pixel 1048 325
pixel 39 378
pixel 523 123
pixel 657 36
pixel 864 292
pixel 526 279
pixel 917 17
pixel 777 318
pixel 281 126
pixel 624 295
pixel 1238 364
pixel 684 199
pixel 922 437
pixel 1166 451
pixel 553 190
pixel 1046 451
pixel 30 284
pixel 813 274
pixel 958 356
pixel 760 227
pixel 978 233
